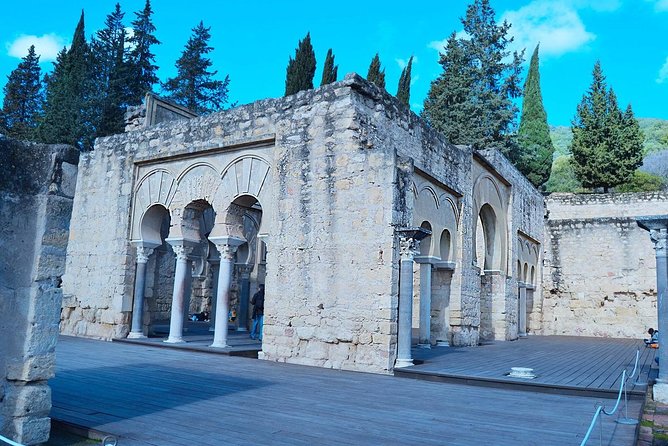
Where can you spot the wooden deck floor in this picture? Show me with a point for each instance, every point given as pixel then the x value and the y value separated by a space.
pixel 563 364
pixel 152 396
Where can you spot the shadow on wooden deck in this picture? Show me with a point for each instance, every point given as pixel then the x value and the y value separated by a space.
pixel 198 338
pixel 562 364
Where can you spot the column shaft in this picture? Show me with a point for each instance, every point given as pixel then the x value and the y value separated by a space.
pixel 405 331
pixel 662 309
pixel 138 305
pixel 425 306
pixel 176 318
pixel 242 317
pixel 223 295
pixel 215 270
pixel 522 315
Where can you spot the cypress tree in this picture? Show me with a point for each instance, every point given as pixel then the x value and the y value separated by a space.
pixel 607 144
pixel 301 69
pixel 22 104
pixel 375 73
pixel 194 86
pixel 141 58
pixel 485 77
pixel 404 89
pixel 68 90
pixel 329 71
pixel 111 75
pixel 534 157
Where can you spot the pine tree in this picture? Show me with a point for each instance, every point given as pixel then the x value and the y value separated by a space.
pixel 141 58
pixel 112 75
pixel 194 86
pixel 375 73
pixel 329 71
pixel 404 89
pixel 23 100
pixel 67 93
pixel 607 144
pixel 483 113
pixel 301 69
pixel 534 156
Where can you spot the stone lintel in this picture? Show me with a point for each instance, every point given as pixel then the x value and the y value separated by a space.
pixel 650 222
pixel 182 241
pixel 144 244
pixel 444 265
pixel 492 272
pixel 227 240
pixel 426 259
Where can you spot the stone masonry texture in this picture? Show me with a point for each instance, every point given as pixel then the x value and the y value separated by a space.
pixel 35 208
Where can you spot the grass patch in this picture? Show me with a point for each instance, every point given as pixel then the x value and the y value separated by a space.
pixel 646 423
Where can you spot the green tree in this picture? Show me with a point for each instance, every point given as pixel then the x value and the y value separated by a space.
pixel 534 156
pixel 66 119
pixel 642 182
pixel 329 71
pixel 194 86
pixel 301 69
pixel 22 105
pixel 607 144
pixel 562 177
pixel 111 75
pixel 376 74
pixel 141 58
pixel 479 82
pixel 404 88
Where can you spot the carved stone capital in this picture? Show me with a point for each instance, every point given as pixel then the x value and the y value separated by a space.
pixel 226 251
pixel 182 252
pixel 143 254
pixel 245 270
pixel 660 239
pixel 408 247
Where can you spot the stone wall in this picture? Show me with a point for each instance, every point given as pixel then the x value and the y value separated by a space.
pixel 345 165
pixel 36 191
pixel 600 275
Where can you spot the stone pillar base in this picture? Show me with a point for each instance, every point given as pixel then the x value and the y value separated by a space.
pixel 424 346
pixel 174 341
pixel 133 335
pixel 403 363
pixel 523 335
pixel 442 344
pixel 219 345
pixel 660 392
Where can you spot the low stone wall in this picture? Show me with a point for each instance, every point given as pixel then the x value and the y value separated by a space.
pixel 35 206
pixel 599 273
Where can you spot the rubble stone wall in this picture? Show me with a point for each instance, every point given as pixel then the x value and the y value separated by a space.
pixel 600 273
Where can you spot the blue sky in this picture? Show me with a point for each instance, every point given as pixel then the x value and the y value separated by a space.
pixel 253 40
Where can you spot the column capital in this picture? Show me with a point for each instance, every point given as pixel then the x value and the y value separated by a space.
pixel 408 247
pixel 659 237
pixel 143 254
pixel 245 270
pixel 227 246
pixel 182 252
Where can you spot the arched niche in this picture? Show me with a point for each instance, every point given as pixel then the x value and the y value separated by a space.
pixel 445 246
pixel 154 225
pixel 490 207
pixel 157 187
pixel 425 243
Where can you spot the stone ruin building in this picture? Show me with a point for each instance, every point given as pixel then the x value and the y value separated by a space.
pixel 369 230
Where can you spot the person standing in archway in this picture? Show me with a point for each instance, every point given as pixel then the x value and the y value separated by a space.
pixel 258 313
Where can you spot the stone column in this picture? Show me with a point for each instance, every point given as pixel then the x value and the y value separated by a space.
pixel 227 247
pixel 408 248
pixel 242 317
pixel 188 287
pixel 182 269
pixel 522 314
pixel 424 338
pixel 215 270
pixel 658 232
pixel 137 331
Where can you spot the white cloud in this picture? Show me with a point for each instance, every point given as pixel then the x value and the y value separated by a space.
pixel 663 73
pixel 659 5
pixel 46 46
pixel 403 62
pixel 556 25
pixel 597 5
pixel 439 45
